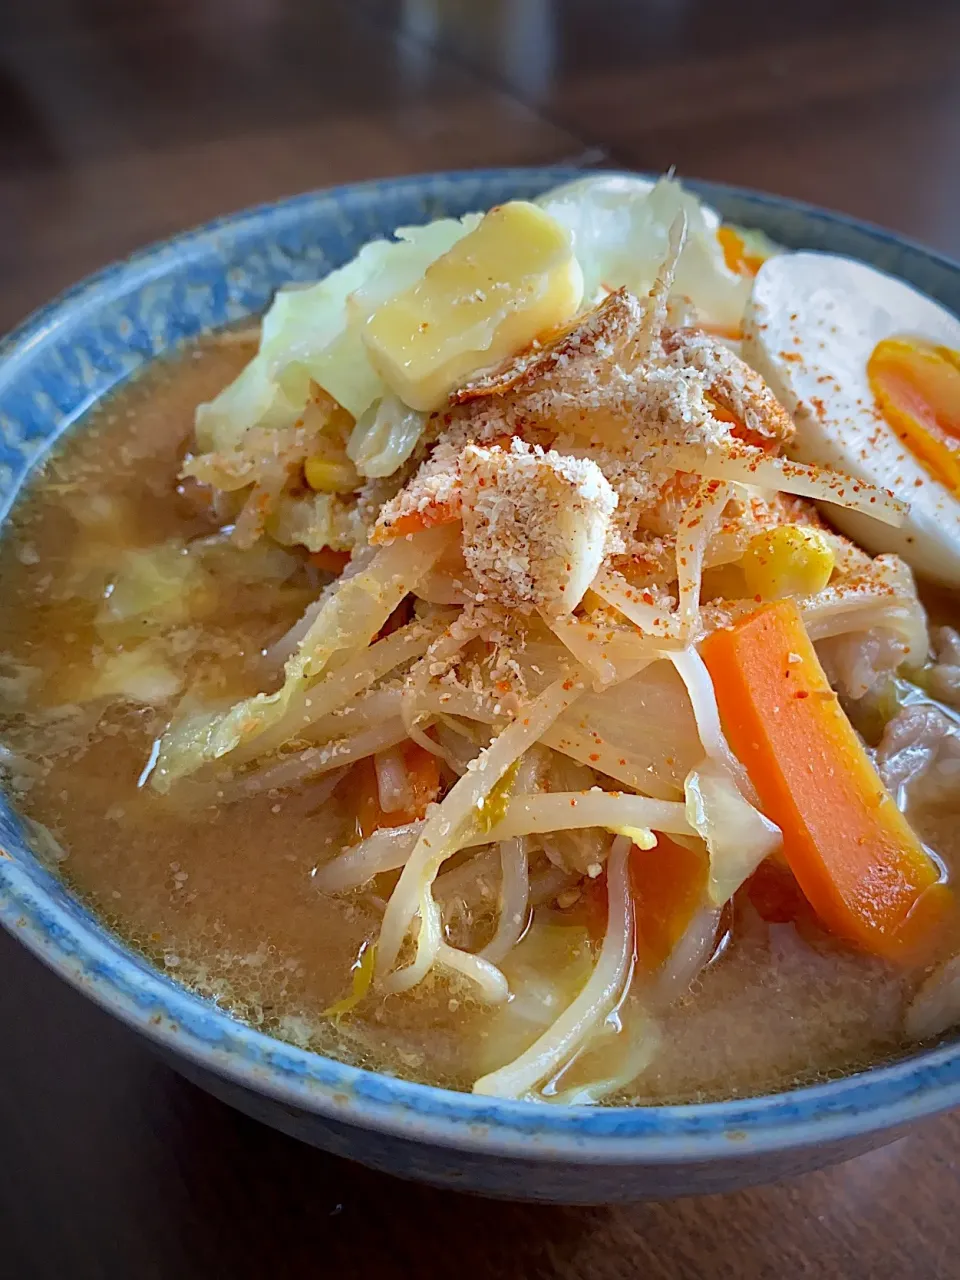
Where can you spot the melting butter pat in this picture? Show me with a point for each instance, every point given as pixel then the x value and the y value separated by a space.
pixel 510 279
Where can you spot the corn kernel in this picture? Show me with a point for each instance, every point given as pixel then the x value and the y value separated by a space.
pixel 324 475
pixel 513 277
pixel 790 560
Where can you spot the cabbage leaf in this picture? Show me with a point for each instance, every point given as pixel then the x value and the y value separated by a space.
pixel 315 521
pixel 315 333
pixel 621 228
pixel 738 837
pixel 349 617
pixel 385 436
pixel 161 585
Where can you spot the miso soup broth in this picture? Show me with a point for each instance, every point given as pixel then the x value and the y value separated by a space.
pixel 223 895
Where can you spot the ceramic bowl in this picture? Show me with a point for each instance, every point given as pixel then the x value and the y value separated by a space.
pixel 52 369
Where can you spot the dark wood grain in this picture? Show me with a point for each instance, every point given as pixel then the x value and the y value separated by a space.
pixel 121 122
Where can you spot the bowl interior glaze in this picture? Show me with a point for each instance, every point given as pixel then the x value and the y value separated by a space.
pixel 74 351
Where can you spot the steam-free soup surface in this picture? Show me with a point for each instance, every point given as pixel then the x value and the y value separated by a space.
pixel 222 896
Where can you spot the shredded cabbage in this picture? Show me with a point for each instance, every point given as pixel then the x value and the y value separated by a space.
pixel 263 562
pixel 611 652
pixel 641 732
pixel 351 616
pixel 546 970
pixel 448 827
pixel 160 584
pixel 141 674
pixel 645 723
pixel 738 837
pixel 574 1027
pixel 385 436
pixel 315 521
pixel 252 399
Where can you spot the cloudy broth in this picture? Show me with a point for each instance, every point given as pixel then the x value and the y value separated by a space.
pixel 222 896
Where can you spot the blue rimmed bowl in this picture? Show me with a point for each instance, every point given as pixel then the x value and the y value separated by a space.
pixel 71 353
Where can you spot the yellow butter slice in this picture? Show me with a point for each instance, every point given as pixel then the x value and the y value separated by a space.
pixel 512 278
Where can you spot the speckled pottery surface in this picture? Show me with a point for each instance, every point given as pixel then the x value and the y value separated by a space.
pixel 71 353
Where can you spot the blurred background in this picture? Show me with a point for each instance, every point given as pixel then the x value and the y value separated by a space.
pixel 123 121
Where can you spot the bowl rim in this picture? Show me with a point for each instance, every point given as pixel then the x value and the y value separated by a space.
pixel 99 964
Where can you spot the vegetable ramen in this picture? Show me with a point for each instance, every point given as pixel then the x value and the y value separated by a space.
pixel 504 667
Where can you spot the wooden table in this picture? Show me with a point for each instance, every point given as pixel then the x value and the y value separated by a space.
pixel 121 122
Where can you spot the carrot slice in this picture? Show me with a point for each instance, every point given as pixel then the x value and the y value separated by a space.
pixel 855 857
pixel 423 774
pixel 428 517
pixel 423 770
pixel 668 884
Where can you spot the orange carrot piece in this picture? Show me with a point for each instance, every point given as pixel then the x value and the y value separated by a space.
pixel 330 561
pixel 853 853
pixel 739 431
pixel 416 521
pixel 668 883
pixel 423 772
